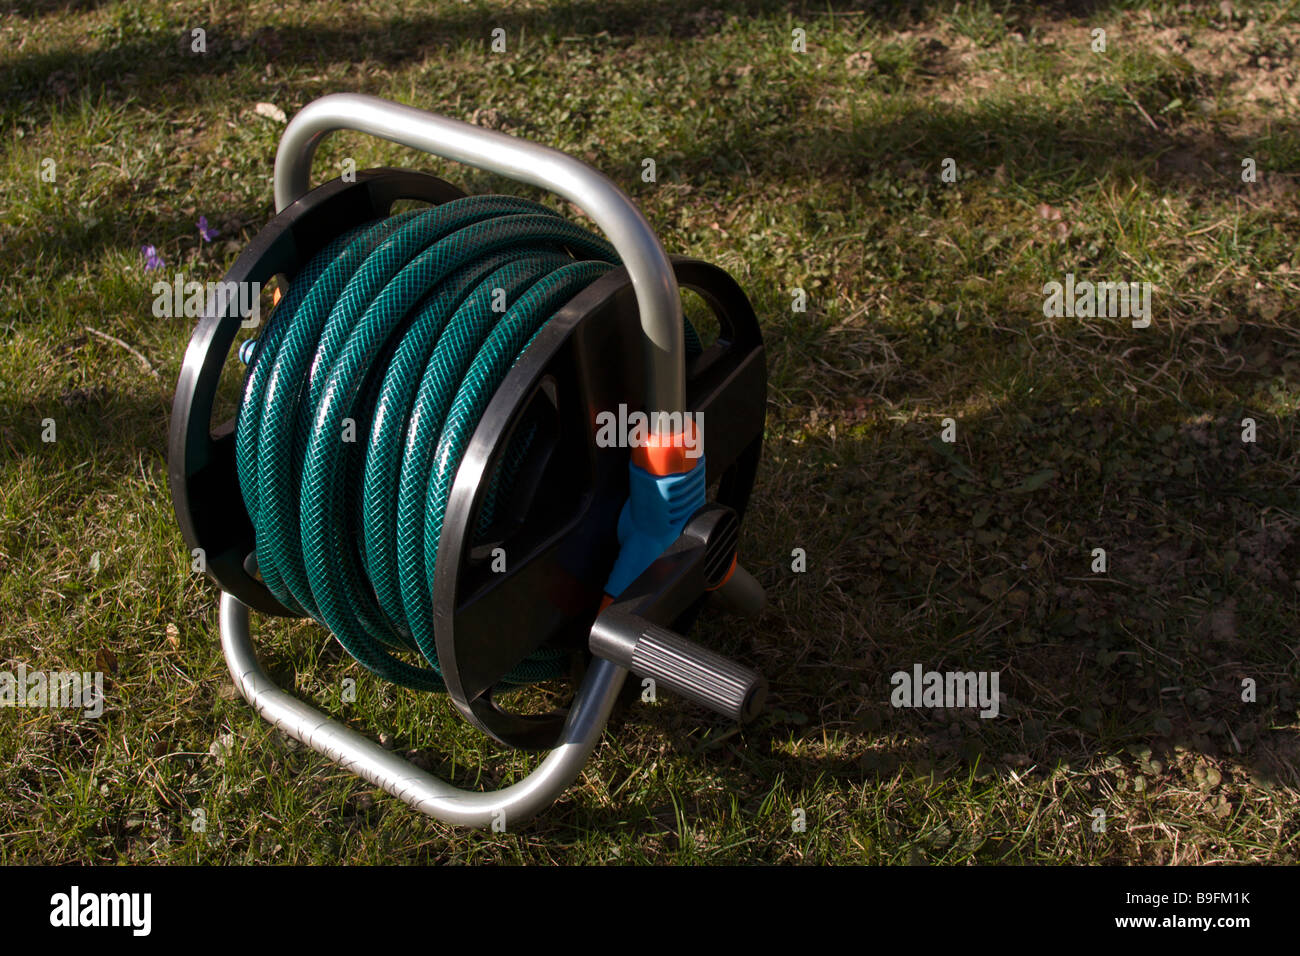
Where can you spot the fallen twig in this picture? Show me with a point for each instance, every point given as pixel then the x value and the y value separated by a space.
pixel 113 338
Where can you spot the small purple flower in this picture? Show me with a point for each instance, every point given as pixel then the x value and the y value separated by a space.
pixel 206 231
pixel 151 258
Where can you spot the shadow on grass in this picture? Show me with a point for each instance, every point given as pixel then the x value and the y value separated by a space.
pixel 1025 143
pixel 100 424
pixel 1149 661
pixel 153 65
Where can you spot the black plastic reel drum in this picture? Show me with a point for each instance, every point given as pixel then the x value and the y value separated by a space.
pixel 557 523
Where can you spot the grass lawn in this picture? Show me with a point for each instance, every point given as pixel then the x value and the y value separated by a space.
pixel 921 172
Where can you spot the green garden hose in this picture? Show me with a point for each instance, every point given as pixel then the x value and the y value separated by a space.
pixel 362 394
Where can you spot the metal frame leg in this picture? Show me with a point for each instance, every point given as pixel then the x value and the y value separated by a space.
pixel 427 793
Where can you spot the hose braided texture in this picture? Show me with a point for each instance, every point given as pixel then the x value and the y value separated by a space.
pixel 362 394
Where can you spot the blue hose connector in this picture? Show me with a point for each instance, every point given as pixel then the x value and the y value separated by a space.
pixel 656 511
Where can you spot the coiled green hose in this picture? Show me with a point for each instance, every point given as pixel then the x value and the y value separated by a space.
pixel 388 336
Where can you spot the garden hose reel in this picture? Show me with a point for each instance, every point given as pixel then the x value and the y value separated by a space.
pixel 610 551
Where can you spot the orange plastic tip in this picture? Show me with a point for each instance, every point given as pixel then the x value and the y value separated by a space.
pixel 667 454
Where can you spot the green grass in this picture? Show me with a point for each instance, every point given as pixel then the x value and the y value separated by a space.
pixel 818 171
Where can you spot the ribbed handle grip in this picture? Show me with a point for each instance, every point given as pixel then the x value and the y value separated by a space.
pixel 688 670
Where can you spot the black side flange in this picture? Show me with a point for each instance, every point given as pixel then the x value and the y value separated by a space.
pixel 586 360
pixel 201 459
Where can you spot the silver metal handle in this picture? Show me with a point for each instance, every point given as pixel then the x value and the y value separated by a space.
pixel 594 193
pixel 503 808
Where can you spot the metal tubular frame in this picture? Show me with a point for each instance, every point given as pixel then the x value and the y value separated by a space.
pixel 424 791
pixel 661 320
pixel 594 193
